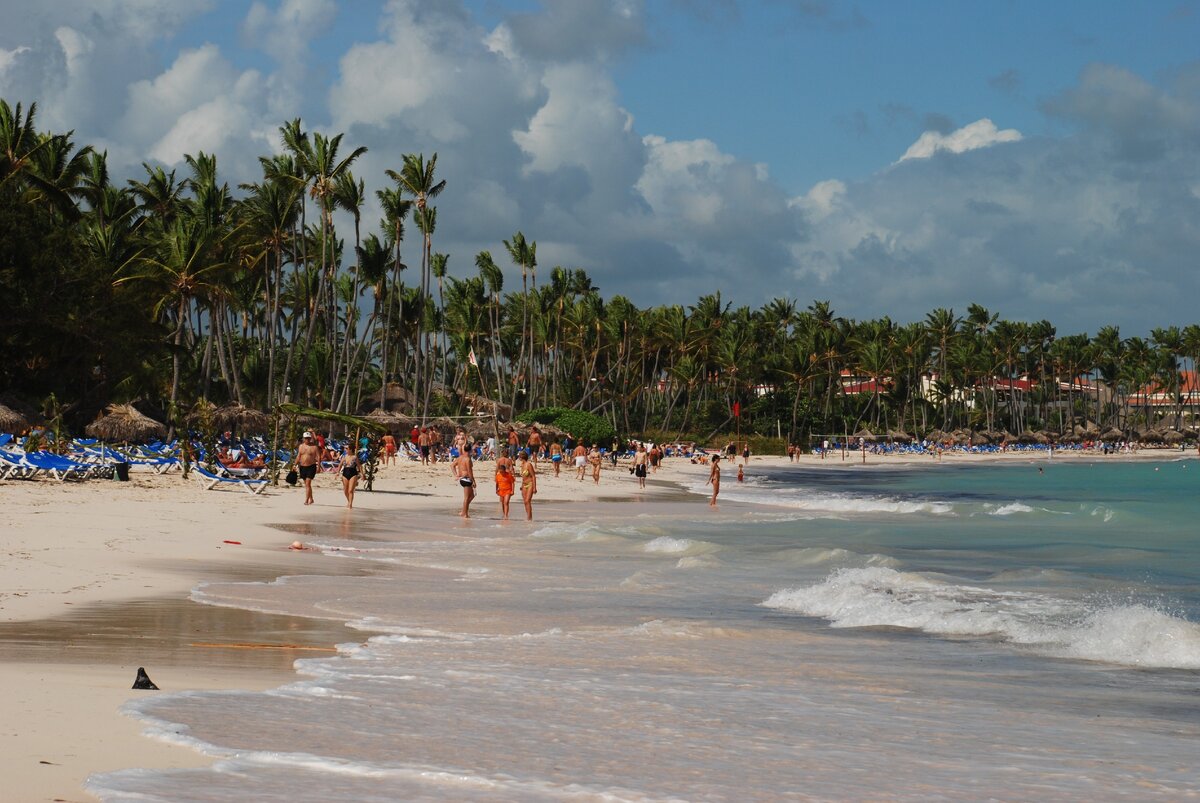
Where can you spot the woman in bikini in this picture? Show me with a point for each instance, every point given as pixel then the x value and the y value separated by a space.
pixel 714 478
pixel 528 483
pixel 351 469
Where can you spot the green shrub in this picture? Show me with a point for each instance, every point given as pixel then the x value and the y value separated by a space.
pixel 585 427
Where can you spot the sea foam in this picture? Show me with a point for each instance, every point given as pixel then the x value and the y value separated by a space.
pixel 1128 634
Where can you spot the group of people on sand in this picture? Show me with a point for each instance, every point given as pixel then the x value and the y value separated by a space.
pixel 515 463
pixel 308 459
pixel 507 474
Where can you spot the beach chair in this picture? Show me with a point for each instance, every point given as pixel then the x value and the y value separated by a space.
pixel 59 467
pixel 13 466
pixel 211 480
pixel 243 472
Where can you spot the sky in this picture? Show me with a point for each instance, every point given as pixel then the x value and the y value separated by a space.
pixel 1039 158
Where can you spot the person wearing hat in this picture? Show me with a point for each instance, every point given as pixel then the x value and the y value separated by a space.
pixel 306 464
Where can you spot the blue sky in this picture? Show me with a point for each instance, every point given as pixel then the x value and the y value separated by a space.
pixel 679 147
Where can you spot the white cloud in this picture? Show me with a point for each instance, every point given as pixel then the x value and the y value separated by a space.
pixel 979 134
pixel 285 32
pixel 9 57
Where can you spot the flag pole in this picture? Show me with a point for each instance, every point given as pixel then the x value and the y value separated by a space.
pixel 495 402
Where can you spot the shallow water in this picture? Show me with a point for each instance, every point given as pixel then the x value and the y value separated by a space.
pixel 973 632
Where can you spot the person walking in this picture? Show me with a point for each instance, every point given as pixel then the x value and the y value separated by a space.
pixel 464 474
pixel 580 455
pixel 595 458
pixel 528 483
pixel 639 465
pixel 534 444
pixel 504 487
pixel 351 470
pixel 307 456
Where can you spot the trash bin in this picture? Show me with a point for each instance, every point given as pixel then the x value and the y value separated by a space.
pixel 121 471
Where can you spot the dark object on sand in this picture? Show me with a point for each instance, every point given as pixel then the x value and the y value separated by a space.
pixel 143 681
pixel 292 477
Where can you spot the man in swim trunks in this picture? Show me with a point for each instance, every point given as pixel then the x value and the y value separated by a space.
pixel 556 456
pixel 534 444
pixel 464 474
pixel 640 458
pixel 580 455
pixel 514 443
pixel 307 456
pixel 425 442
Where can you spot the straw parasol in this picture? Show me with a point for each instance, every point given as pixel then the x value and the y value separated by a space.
pixel 394 423
pixel 11 420
pixel 1173 436
pixel 481 430
pixel 243 419
pixel 124 423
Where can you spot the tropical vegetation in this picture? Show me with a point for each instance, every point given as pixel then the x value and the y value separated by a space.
pixel 174 286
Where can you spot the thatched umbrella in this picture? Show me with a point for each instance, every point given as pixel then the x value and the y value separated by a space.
pixel 394 423
pixel 1113 434
pixel 898 436
pixel 481 430
pixel 1151 436
pixel 11 420
pixel 398 398
pixel 202 408
pixel 1173 436
pixel 243 419
pixel 441 424
pixel 124 423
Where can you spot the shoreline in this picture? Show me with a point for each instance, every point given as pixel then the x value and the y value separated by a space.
pixel 101 591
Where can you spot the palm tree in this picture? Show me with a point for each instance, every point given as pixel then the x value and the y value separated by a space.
pixel 416 177
pixel 19 141
pixel 523 254
pixel 182 266
pixel 943 326
pixel 55 172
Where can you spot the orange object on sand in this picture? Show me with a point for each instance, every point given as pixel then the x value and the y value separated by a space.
pixel 239 543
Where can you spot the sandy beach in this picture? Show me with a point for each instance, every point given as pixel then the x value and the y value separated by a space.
pixel 96 579
pixel 95 583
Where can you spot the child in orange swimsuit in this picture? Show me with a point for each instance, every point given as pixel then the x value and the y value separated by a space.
pixel 504 487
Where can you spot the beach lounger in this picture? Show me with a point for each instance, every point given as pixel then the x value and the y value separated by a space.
pixel 13 466
pixel 59 467
pixel 211 480
pixel 243 473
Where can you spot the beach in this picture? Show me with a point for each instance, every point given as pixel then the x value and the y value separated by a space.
pixel 98 578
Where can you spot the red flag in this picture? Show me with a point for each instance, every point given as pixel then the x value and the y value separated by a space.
pixel 737 409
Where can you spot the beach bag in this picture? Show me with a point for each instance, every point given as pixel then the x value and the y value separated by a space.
pixel 292 477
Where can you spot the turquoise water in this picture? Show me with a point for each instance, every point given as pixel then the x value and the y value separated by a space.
pixel 962 632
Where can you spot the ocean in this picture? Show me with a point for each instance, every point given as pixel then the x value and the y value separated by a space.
pixel 1016 631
